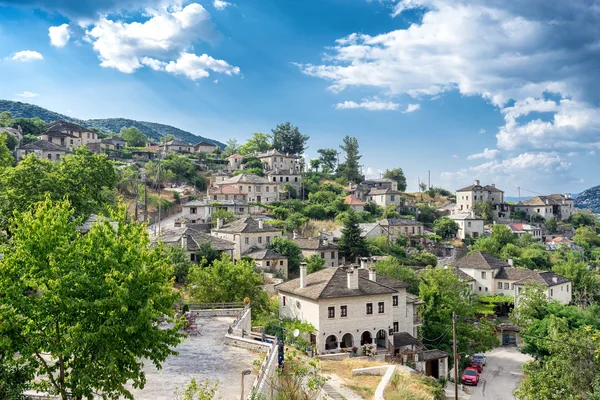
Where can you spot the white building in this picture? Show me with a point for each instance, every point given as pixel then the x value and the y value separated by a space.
pixel 200 211
pixel 235 162
pixel 349 307
pixel 42 149
pixel 468 224
pixel 268 260
pixel 384 197
pixel 283 176
pixel 247 233
pixel 259 189
pixel 468 196
pixel 558 206
pixel 274 159
pixel 402 226
pixel 204 147
pixel 320 246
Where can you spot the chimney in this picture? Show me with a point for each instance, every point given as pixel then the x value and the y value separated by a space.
pixel 184 241
pixel 372 274
pixel 219 223
pixel 352 275
pixel 295 235
pixel 302 275
pixel 477 181
pixel 555 279
pixel 493 185
pixel 261 224
pixel 510 262
pixel 364 262
pixel 325 242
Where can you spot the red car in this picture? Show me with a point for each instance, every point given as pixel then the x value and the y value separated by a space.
pixel 477 364
pixel 470 377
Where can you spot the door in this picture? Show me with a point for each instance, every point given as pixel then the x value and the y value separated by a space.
pixel 505 339
pixel 258 199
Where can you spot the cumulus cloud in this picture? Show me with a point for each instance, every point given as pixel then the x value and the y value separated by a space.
pixel 536 54
pixel 196 67
pixel 27 95
pixel 481 131
pixel 220 4
pixel 59 35
pixel 486 154
pixel 372 105
pixel 27 55
pixel 412 107
pixel 372 173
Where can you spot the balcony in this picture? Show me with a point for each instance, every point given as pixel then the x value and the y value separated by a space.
pixel 417 319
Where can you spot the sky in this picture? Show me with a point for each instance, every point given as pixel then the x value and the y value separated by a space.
pixel 504 92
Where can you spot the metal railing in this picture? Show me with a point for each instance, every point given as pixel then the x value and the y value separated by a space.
pixel 216 306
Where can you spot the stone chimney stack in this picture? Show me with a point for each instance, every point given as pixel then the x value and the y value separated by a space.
pixel 554 279
pixel 295 234
pixel 511 262
pixel 364 263
pixel 302 275
pixel 219 223
pixel 325 242
pixel 261 224
pixel 477 181
pixel 493 185
pixel 372 274
pixel 184 238
pixel 352 274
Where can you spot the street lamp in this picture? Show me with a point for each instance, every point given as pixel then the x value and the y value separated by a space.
pixel 244 373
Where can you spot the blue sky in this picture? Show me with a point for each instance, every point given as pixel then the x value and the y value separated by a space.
pixel 469 89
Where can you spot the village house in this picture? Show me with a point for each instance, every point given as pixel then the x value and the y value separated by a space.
pixel 235 162
pixel 274 159
pixel 200 211
pixel 42 149
pixel 492 276
pixel 362 190
pixel 469 225
pixel 355 203
pixel 247 233
pixel 558 206
pixel 204 147
pixel 113 143
pixel 69 135
pixel 384 197
pixel 268 260
pixel 367 230
pixel 16 132
pixel 349 307
pixel 402 226
pixel 468 196
pixel 190 238
pixel 227 192
pixel 561 242
pixel 178 146
pixel 219 176
pixel 147 154
pixel 283 176
pixel 259 189
pixel 319 246
pixel 521 229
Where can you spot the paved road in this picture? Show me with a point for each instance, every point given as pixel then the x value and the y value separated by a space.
pixel 501 375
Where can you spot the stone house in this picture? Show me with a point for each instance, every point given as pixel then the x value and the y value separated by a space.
pixel 200 211
pixel 259 189
pixel 178 146
pixel 69 135
pixel 42 149
pixel 468 196
pixel 204 147
pixel 247 233
pixel 558 206
pixel 219 176
pixel 367 230
pixel 283 176
pixel 190 239
pixel 269 261
pixel 468 224
pixel 355 203
pixel 227 192
pixel 384 197
pixel 274 159
pixel 66 140
pixel 320 246
pixel 235 162
pixel 348 307
pixel 362 189
pixel 521 229
pixel 402 226
pixel 113 143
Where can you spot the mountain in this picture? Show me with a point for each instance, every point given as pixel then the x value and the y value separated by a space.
pixel 152 130
pixel 589 199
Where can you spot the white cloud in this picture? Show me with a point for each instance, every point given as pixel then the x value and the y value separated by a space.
pixel 162 43
pixel 27 55
pixel 59 35
pixel 592 153
pixel 27 95
pixel 196 67
pixel 372 173
pixel 481 131
pixel 412 107
pixel 454 155
pixel 486 154
pixel 372 105
pixel 220 4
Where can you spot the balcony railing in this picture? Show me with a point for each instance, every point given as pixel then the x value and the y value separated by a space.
pixel 417 319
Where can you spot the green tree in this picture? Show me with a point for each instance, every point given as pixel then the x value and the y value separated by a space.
pixel 29 126
pixel 251 162
pixel 445 227
pixel 484 209
pixel 288 139
pixel 352 244
pixel 291 190
pixel 6 158
pixel 422 187
pixel 157 175
pixel 314 263
pixel 258 143
pixel 180 261
pixel 133 136
pixel 585 282
pixel 196 390
pixel 391 267
pixel 582 218
pixel 233 147
pixel 93 301
pixel 301 379
pixel 222 214
pixel 586 238
pixel 427 214
pixel 398 175
pixel 289 249
pixel 206 254
pixel 350 170
pixel 315 164
pixel 328 158
pixel 5 118
pixel 551 225
pixel 11 141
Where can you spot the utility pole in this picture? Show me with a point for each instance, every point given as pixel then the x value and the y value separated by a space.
pixel 519 189
pixel 419 183
pixel 455 355
pixel 429 179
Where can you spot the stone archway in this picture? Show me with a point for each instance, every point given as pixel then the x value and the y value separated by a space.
pixel 347 341
pixel 366 338
pixel 381 339
pixel 331 342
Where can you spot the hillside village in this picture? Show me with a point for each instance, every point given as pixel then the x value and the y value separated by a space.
pixel 299 254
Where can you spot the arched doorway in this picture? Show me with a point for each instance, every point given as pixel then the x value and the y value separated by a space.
pixel 331 342
pixel 347 341
pixel 366 338
pixel 381 339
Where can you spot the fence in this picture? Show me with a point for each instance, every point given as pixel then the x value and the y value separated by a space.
pixel 216 306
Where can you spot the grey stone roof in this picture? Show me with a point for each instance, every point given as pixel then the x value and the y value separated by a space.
pixel 427 355
pixel 264 254
pixel 114 140
pixel 405 339
pixel 332 283
pixel 382 180
pixel 545 278
pixel 464 216
pixel 12 131
pixel 246 225
pixel 411 298
pixel 195 203
pixel 65 126
pixel 244 178
pixel 92 219
pixel 177 142
pixel 273 152
pixel 43 145
pixel 471 188
pixel 514 274
pixel 479 260
pixel 195 237
pixel 378 192
pixel 462 276
pixel 553 199
pixel 398 222
pixel 204 144
pixel 314 244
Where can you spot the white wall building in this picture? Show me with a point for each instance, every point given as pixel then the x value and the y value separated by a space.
pixel 259 189
pixel 468 196
pixel 320 246
pixel 274 159
pixel 558 206
pixel 247 234
pixel 468 224
pixel 42 149
pixel 384 197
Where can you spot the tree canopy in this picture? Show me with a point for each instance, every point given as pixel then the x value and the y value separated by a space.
pixel 289 249
pixel 352 244
pixel 328 158
pixel 258 143
pixel 350 170
pixel 288 139
pixel 398 175
pixel 445 227
pixel 133 136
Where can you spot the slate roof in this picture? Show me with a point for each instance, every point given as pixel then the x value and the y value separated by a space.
pixel 204 144
pixel 427 355
pixel 59 134
pixel 365 228
pixel 12 131
pixel 244 178
pixel 65 126
pixel 195 203
pixel 545 278
pixel 226 189
pixel 177 142
pixel 235 156
pixel 489 188
pixel 514 274
pixel 277 153
pixel 195 237
pixel 378 192
pixel 314 244
pixel 353 201
pixel 479 260
pixel 411 298
pixel 398 222
pixel 263 254
pixel 464 217
pixel 246 225
pixel 553 199
pixel 462 276
pixel 92 219
pixel 113 140
pixel 382 180
pixel 43 145
pixel 404 339
pixel 332 283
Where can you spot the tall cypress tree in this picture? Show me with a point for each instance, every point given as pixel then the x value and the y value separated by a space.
pixel 350 169
pixel 351 244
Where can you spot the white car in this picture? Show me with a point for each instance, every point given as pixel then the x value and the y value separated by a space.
pixel 479 356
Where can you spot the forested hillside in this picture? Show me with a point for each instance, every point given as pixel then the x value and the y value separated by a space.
pixel 152 130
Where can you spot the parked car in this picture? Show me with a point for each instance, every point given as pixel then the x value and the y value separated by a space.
pixel 479 356
pixel 476 364
pixel 470 377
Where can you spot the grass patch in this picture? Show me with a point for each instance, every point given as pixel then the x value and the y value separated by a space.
pixel 405 386
pixel 364 386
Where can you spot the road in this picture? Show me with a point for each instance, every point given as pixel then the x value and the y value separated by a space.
pixel 501 375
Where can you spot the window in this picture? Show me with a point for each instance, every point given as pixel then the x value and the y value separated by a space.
pixel 280 262
pixel 283 299
pixel 268 263
pixel 520 289
pixel 562 288
pixel 486 289
pixel 267 189
pixel 287 178
pixel 369 308
pixel 480 288
pixel 413 230
pixel 241 209
pixel 258 189
pixel 58 156
pixel 322 254
pixel 381 307
pixel 215 197
pixel 469 224
pixel 506 286
pixel 281 179
pixel 49 156
pixel 193 210
pixel 483 274
pixel 499 285
pixel 249 189
pixel 551 292
pixel 296 179
pixel 396 327
pixel 395 301
pixel 274 188
pixel 330 312
pixel 247 240
pixel 393 198
pixel 343 311
pixel 192 257
pixel 260 239
pixel 333 254
pixel 274 179
pixel 567 288
pixel 268 239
